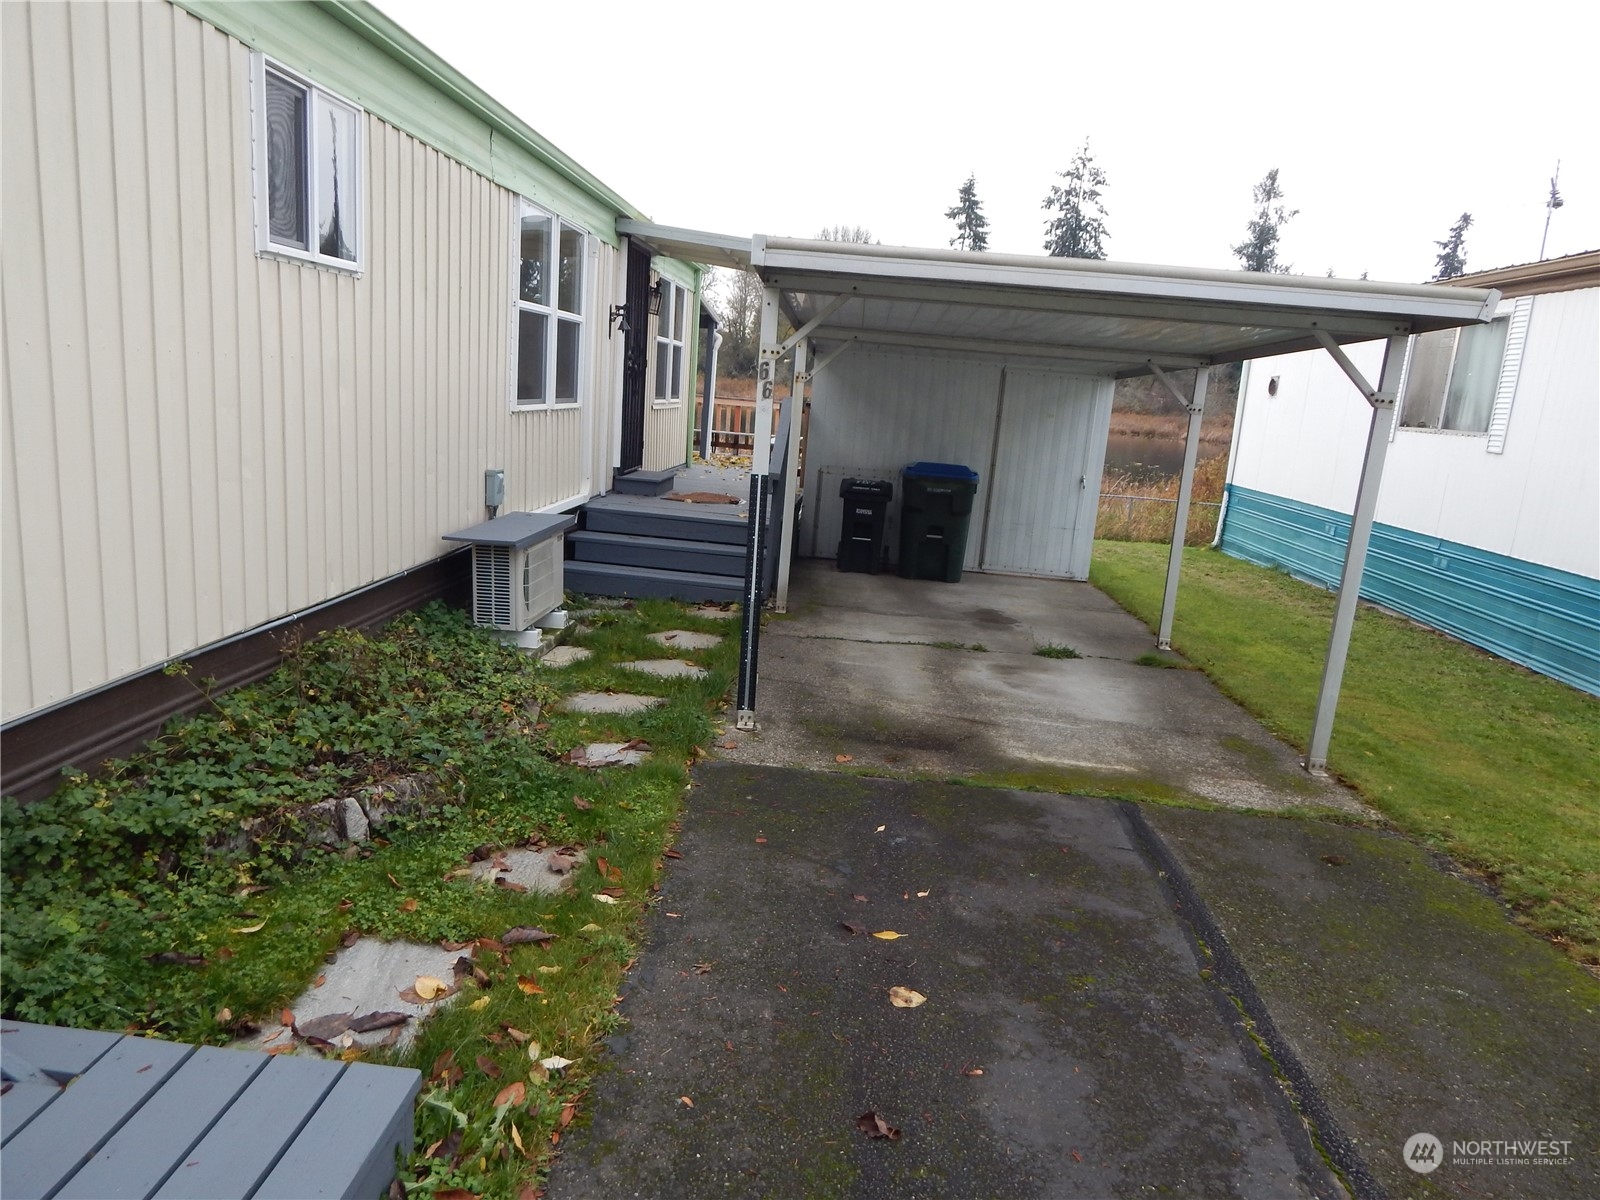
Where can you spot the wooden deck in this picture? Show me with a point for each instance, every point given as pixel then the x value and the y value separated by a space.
pixel 97 1116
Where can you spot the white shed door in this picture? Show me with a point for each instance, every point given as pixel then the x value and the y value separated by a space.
pixel 1046 476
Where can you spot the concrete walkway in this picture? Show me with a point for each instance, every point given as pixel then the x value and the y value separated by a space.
pixel 1121 999
pixel 881 669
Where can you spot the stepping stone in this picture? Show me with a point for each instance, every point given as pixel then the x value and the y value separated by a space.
pixel 610 754
pixel 608 702
pixel 715 612
pixel 666 668
pixel 367 978
pixel 686 639
pixel 529 869
pixel 564 656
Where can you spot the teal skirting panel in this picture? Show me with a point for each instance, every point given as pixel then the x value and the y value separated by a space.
pixel 1545 619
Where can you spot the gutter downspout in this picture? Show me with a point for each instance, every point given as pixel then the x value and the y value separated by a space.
pixel 711 394
pixel 1233 448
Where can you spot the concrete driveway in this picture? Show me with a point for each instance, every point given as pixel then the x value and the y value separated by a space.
pixel 884 670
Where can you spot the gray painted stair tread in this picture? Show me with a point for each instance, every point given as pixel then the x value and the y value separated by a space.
pixel 143 1152
pixel 648 581
pixel 692 526
pixel 21 1103
pixel 242 1147
pixel 55 1143
pixel 16 1068
pixel 350 1151
pixel 62 1053
pixel 600 537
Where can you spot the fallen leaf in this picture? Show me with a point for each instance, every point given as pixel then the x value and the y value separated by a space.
pixel 568 1111
pixel 515 1034
pixel 430 988
pixel 729 745
pixel 324 1028
pixel 608 870
pixel 921 895
pixel 591 927
pixel 224 1015
pixel 880 829
pixel 319 981
pixel 1076 1157
pixel 859 899
pixel 603 898
pixel 528 985
pixel 874 1126
pixel 368 1022
pixel 256 928
pixel 615 893
pixel 409 906
pixel 283 1049
pixel 516 1139
pixel 350 938
pixel 904 997
pixel 555 1063
pixel 548 969
pixel 888 935
pixel 972 1071
pixel 224 952
pixel 853 926
pixel 582 805
pixel 685 1101
pixel 1335 860
pixel 488 1066
pixel 510 885
pixel 524 935
pixel 528 1192
pixel 394 881
pixel 761 841
pixel 455 1194
pixel 844 758
pixel 702 968
pixel 534 1052
pixel 286 1017
pixel 671 854
pixel 481 1003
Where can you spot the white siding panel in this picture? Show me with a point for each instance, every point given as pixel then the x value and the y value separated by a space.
pixel 1537 500
pixel 874 412
pixel 199 439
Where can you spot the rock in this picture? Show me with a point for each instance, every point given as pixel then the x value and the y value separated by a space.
pixel 319 823
pixel 665 668
pixel 685 639
pixel 564 656
pixel 352 821
pixel 608 702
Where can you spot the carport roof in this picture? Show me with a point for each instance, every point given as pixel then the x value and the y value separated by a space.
pixel 1110 318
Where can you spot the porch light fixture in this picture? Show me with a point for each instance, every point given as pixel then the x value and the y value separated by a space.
pixel 655 298
pixel 619 318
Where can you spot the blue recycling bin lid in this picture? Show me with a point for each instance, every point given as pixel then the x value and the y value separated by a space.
pixel 933 470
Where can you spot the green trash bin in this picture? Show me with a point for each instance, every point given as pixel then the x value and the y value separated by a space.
pixel 935 508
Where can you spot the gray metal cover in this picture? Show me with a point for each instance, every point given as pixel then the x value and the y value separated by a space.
pixel 517 530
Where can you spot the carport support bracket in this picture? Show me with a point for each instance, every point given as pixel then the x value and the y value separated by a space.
pixel 756 544
pixel 1382 399
pixel 1180 524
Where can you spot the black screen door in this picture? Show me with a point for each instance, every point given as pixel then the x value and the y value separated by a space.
pixel 635 359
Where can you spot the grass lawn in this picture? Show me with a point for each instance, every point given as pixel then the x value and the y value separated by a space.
pixel 1492 764
pixel 115 918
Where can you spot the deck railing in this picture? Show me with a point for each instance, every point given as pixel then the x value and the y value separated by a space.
pixel 733 423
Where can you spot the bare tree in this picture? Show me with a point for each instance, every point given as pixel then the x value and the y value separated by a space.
pixel 847 233
pixel 736 299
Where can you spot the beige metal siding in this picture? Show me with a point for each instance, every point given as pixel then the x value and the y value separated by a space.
pixel 199 439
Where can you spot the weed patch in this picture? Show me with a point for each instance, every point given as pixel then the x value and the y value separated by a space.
pixel 108 875
pixel 1052 650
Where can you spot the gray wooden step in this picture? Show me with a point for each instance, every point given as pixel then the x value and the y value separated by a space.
pixel 687 525
pixel 645 483
pixel 612 579
pixel 666 554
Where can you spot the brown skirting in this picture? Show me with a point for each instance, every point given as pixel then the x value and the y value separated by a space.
pixel 118 719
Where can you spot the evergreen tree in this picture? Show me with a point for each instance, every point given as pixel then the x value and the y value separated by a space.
pixel 1259 251
pixel 1452 257
pixel 972 227
pixel 1078 230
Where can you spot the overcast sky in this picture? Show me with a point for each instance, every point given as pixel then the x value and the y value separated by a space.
pixel 1386 120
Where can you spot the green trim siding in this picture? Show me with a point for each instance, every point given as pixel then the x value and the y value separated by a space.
pixel 1545 619
pixel 353 49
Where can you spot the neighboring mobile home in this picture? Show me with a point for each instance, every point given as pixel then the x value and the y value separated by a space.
pixel 280 286
pixel 1488 521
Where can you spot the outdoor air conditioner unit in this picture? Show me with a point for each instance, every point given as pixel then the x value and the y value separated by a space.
pixel 516 568
pixel 512 588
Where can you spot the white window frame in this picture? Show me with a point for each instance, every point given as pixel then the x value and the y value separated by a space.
pixel 1504 315
pixel 676 295
pixel 553 313
pixel 318 98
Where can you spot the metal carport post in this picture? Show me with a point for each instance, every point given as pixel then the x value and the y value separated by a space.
pixel 755 549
